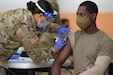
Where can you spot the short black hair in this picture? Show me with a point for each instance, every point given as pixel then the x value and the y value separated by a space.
pixel 64 20
pixel 45 5
pixel 91 7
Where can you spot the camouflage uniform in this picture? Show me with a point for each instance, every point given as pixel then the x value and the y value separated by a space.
pixel 2 70
pixel 18 29
pixel 55 7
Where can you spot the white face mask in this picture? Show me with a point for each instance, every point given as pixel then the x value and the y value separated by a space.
pixel 42 25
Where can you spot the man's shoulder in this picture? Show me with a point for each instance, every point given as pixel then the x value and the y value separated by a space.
pixel 104 37
pixel 104 34
pixel 75 32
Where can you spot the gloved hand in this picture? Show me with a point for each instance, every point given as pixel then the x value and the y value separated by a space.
pixel 15 56
pixel 63 30
pixel 20 50
pixel 60 43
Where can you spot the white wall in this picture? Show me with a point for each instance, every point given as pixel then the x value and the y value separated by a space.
pixel 65 5
pixel 72 5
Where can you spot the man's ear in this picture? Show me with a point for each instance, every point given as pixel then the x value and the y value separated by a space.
pixel 93 16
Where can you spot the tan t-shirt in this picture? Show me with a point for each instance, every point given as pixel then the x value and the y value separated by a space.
pixel 87 47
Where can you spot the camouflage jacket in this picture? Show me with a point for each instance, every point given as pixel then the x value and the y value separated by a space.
pixel 18 29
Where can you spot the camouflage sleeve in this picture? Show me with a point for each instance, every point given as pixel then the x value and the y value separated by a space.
pixel 39 49
pixel 54 28
pixel 7 47
pixel 54 51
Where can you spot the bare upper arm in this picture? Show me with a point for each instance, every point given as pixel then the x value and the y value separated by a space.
pixel 63 54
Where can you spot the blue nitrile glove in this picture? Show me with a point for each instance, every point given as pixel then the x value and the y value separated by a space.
pixel 63 30
pixel 20 50
pixel 15 56
pixel 60 43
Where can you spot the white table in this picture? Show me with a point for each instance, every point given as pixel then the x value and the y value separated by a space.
pixel 25 63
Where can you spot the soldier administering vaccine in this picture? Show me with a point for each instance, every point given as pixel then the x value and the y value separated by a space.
pixel 18 28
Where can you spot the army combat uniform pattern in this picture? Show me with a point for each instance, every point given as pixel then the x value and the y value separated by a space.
pixel 18 29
